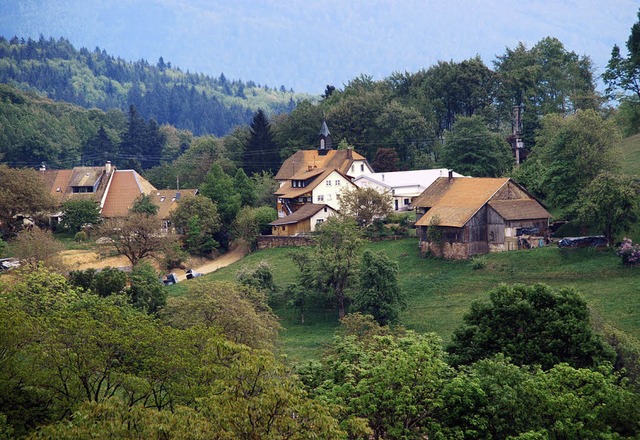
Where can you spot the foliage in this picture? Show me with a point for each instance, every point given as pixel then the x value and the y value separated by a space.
pixel 94 79
pixel 260 278
pixel 260 152
pixel 253 222
pixel 471 149
pixel 265 185
pixel 378 293
pixel 624 73
pixel 21 194
pixel 78 213
pixel 197 217
pixel 38 247
pixel 386 159
pixel 573 151
pixel 495 399
pixel 220 188
pixel 146 291
pixel 610 203
pixel 392 381
pixel 245 187
pixel 108 281
pixel 143 204
pixel 532 325
pixel 338 242
pixel 478 262
pixel 136 237
pixel 239 312
pixel 365 205
pixel 80 236
pixel 629 252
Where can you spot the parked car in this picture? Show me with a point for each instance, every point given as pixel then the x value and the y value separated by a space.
pixel 193 274
pixel 588 241
pixel 9 263
pixel 170 279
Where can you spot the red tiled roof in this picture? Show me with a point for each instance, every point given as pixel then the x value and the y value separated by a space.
pixel 126 186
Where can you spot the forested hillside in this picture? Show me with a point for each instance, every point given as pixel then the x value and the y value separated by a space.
pixel 191 101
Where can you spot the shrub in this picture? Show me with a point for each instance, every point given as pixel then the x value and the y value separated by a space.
pixel 478 262
pixel 629 252
pixel 80 236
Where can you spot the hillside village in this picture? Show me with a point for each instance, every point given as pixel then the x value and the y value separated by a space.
pixel 397 259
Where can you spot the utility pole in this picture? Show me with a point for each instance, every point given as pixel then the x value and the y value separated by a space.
pixel 516 127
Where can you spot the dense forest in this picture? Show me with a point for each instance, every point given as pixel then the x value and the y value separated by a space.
pixel 95 79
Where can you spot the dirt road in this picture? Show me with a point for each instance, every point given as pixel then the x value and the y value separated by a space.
pixel 232 256
pixel 81 260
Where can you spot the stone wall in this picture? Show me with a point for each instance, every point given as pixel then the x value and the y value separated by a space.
pixel 273 241
pixel 452 251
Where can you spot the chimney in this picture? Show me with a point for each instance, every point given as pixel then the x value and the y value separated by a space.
pixel 450 175
pixel 383 177
pixel 43 167
pixel 349 153
pixel 177 196
pixel 107 167
pixel 309 167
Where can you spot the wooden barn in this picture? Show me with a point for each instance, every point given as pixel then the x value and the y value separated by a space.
pixel 458 217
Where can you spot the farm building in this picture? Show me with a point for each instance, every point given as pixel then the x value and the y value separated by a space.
pixel 458 217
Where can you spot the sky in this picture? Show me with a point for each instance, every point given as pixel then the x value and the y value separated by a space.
pixel 308 44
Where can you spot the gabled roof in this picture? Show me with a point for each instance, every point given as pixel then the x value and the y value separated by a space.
pixel 126 186
pixel 289 192
pixel 306 211
pixel 455 201
pixel 519 209
pixel 301 160
pixel 167 199
pixel 60 183
pixel 398 179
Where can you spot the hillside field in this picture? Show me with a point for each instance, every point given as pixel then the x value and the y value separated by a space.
pixel 439 292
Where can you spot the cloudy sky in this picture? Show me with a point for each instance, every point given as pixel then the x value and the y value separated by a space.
pixel 307 44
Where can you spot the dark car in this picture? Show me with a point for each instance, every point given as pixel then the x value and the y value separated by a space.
pixel 588 241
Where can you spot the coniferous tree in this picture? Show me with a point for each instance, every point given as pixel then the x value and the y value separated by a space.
pixel 260 153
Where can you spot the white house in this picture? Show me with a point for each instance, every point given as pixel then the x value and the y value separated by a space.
pixel 403 186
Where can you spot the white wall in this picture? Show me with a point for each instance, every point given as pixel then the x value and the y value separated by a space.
pixel 328 194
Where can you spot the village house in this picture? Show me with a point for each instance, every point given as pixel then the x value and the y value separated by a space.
pixel 305 219
pixel 458 217
pixel 316 177
pixel 114 191
pixel 403 186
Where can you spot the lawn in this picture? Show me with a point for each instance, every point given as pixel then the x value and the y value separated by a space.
pixel 439 292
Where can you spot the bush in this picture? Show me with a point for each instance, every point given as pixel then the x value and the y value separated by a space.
pixel 80 237
pixel 629 252
pixel 478 262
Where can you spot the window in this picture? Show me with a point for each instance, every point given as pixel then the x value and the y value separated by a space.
pixel 337 182
pixel 328 182
pixel 328 197
pixel 318 221
pixel 353 167
pixel 320 198
pixel 406 201
pixel 361 167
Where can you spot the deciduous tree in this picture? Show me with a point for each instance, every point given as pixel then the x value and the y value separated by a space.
pixel 136 237
pixel 22 193
pixel 609 202
pixel 78 213
pixel 378 293
pixel 532 325
pixel 364 205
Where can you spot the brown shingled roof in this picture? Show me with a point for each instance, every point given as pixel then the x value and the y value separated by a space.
pixel 304 212
pixel 126 186
pixel 519 209
pixel 454 201
pixel 59 183
pixel 166 200
pixel 301 160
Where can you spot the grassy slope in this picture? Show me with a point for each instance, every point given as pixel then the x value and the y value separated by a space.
pixel 439 292
pixel 629 151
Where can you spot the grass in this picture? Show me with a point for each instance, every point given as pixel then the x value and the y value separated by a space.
pixel 439 292
pixel 629 153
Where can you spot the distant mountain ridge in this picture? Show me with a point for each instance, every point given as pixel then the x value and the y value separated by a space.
pixel 95 79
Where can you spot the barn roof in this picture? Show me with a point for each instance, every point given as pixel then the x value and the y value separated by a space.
pixel 306 211
pixel 519 209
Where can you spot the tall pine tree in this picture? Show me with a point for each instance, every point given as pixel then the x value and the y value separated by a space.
pixel 260 152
